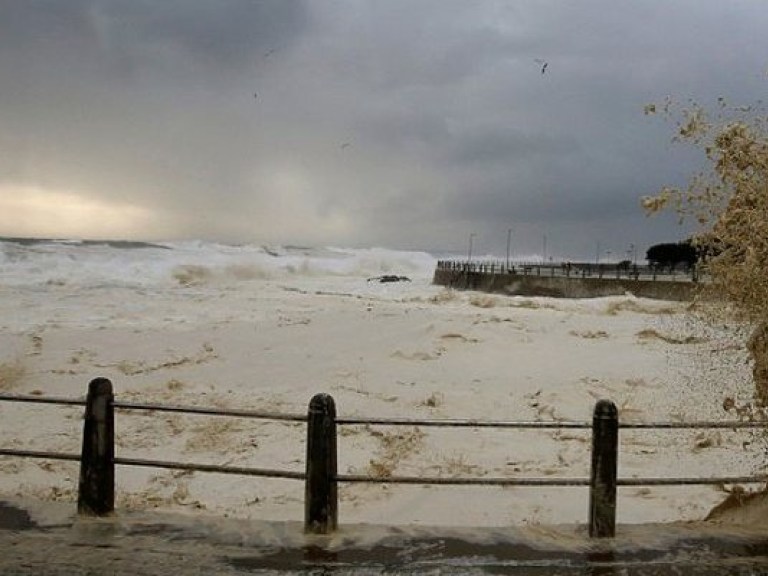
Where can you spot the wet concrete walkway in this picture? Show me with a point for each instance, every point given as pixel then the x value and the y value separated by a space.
pixel 51 540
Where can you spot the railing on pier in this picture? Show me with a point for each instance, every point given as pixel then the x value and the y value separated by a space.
pixel 572 270
pixel 96 491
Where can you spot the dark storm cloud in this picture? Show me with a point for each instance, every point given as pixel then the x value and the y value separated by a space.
pixel 406 123
pixel 135 97
pixel 225 33
pixel 497 146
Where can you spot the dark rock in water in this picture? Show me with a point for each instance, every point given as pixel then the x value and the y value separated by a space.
pixel 390 278
pixel 271 251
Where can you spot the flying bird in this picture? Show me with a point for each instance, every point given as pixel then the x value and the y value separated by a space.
pixel 543 63
pixel 345 145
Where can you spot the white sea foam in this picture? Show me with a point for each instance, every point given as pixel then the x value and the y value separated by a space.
pixel 266 328
pixel 194 263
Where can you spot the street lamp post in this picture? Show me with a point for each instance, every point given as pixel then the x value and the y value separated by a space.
pixel 509 244
pixel 469 253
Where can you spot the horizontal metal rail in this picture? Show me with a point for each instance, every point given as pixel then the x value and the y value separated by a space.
pixel 546 425
pixel 354 478
pixel 691 481
pixel 212 411
pixel 459 423
pixel 43 400
pixel 458 481
pixel 162 408
pixel 39 454
pixel 353 421
pixel 554 482
pixel 575 270
pixel 238 470
pixel 693 425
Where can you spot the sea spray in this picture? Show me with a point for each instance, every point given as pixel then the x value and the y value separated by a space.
pixel 190 263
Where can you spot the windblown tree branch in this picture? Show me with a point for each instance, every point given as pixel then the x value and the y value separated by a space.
pixel 730 202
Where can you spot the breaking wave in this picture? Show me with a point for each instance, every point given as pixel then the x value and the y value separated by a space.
pixel 46 262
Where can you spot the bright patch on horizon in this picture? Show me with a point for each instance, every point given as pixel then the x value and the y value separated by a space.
pixel 34 211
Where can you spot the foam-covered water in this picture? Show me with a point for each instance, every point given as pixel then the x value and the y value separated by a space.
pixel 193 263
pixel 41 536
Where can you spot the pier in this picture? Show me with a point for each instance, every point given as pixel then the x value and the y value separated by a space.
pixel 568 279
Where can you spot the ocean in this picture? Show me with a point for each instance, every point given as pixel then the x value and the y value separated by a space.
pixel 41 262
pixel 253 327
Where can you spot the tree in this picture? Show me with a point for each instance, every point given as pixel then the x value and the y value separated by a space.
pixel 730 202
pixel 669 255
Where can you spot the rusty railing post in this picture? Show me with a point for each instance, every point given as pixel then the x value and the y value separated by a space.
pixel 602 487
pixel 321 496
pixel 96 490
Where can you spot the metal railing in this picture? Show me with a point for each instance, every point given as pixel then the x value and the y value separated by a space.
pixel 573 270
pixel 97 458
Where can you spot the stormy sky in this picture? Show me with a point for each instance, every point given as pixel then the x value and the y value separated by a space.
pixel 400 123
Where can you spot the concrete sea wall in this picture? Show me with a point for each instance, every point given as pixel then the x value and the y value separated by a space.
pixel 563 287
